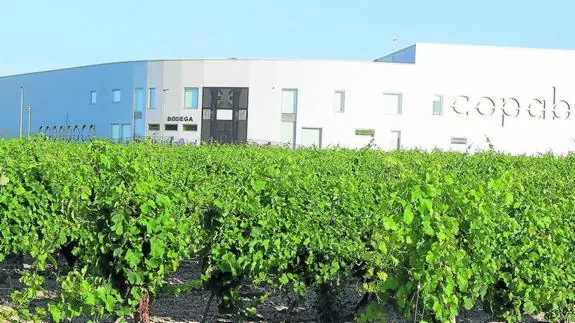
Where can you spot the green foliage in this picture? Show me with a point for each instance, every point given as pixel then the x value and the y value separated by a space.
pixel 433 232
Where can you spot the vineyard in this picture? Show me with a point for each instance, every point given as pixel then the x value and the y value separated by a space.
pixel 431 233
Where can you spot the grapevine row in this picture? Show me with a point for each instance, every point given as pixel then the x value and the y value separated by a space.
pixel 433 232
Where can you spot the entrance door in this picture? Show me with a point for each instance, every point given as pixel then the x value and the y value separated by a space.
pixel 224 114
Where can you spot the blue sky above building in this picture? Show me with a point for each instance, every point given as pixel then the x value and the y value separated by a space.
pixel 41 35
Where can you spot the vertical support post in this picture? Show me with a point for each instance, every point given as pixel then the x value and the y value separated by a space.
pixel 163 122
pixel 21 111
pixel 29 120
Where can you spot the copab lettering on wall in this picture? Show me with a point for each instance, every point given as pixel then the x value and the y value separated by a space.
pixel 536 108
pixel 180 119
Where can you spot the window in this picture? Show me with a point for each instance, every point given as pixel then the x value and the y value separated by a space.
pixel 365 132
pixel 140 99
pixel 121 131
pixel 126 131
pixel 289 116
pixel 116 96
pixel 458 141
pixel 139 128
pixel 289 100
pixel 392 103
pixel 437 105
pixel 116 132
pixel 288 133
pixel 93 97
pixel 311 137
pixel 224 114
pixel 152 99
pixel 339 101
pixel 153 127
pixel 171 127
pixel 191 98
pixel 395 142
pixel 190 127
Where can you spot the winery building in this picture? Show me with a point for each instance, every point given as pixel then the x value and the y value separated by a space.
pixel 426 96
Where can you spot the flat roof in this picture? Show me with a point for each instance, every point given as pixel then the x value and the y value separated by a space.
pixel 382 59
pixel 190 60
pixel 491 46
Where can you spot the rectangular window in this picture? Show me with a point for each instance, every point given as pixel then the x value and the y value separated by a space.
pixel 116 96
pixel 289 100
pixel 288 133
pixel 152 99
pixel 93 97
pixel 190 127
pixel 153 127
pixel 395 142
pixel 289 116
pixel 392 103
pixel 437 105
pixel 171 127
pixel 311 137
pixel 140 98
pixel 224 114
pixel 139 128
pixel 116 132
pixel 126 131
pixel 339 101
pixel 458 141
pixel 191 98
pixel 365 132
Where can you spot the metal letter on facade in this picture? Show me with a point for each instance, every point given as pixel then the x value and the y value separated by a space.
pixel 455 104
pixel 566 111
pixel 490 101
pixel 517 107
pixel 542 103
pixel 562 103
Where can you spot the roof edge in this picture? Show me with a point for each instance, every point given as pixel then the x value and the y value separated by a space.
pixel 73 68
pixel 405 55
pixel 185 60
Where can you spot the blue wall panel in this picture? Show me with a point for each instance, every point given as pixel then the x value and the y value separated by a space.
pixel 62 97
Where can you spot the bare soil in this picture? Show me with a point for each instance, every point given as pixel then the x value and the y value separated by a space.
pixel 192 306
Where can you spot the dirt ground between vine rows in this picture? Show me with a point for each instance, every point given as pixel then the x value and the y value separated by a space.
pixel 191 307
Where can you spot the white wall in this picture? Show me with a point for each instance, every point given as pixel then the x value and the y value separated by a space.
pixel 317 81
pixel 497 72
pixel 451 71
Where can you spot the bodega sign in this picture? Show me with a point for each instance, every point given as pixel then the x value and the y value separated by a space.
pixel 181 119
pixel 555 108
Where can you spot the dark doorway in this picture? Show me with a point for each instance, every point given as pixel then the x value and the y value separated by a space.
pixel 225 115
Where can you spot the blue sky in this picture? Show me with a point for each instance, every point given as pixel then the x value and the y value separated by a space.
pixel 40 34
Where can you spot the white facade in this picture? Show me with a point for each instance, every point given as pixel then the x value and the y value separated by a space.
pixel 481 92
pixel 450 97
